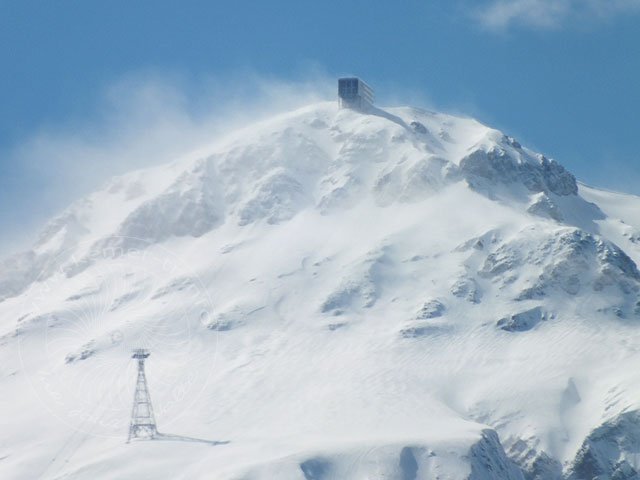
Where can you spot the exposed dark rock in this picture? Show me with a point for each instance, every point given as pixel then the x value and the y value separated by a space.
pixel 504 259
pixel 569 260
pixel 523 321
pixel 277 199
pixel 489 461
pixel 408 464
pixel 607 451
pixel 481 242
pixel 418 127
pixel 336 326
pixel 535 465
pixel 543 206
pixel 511 141
pixel 531 293
pixel 498 167
pixel 315 468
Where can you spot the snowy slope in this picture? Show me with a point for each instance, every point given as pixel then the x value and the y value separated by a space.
pixel 331 295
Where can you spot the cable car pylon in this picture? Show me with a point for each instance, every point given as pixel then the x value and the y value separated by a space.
pixel 143 422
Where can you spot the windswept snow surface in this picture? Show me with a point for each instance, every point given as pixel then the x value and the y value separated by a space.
pixel 397 294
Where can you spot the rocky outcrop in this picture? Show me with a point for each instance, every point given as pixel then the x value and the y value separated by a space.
pixel 277 198
pixel 489 461
pixel 568 260
pixel 431 309
pixel 610 451
pixel 522 321
pixel 498 166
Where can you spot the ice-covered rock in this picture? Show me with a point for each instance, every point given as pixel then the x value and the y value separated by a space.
pixel 191 206
pixel 362 287
pixel 418 127
pixel 535 465
pixel 610 451
pixel 522 321
pixel 431 309
pixel 566 259
pixel 489 461
pixel 486 240
pixel 276 198
pixel 498 166
pixel 543 206
pixel 467 288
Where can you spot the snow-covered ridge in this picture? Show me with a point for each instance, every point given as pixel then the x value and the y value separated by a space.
pixel 315 158
pixel 396 294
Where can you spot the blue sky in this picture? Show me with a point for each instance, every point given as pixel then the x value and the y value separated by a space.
pixel 88 89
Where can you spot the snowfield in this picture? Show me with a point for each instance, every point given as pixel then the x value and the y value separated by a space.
pixel 330 294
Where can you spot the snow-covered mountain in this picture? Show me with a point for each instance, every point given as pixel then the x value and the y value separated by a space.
pixel 398 294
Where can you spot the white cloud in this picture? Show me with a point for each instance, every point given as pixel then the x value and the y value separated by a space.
pixel 501 14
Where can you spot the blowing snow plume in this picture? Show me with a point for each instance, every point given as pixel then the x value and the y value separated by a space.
pixel 141 120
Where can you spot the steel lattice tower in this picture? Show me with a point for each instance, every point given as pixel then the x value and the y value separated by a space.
pixel 143 423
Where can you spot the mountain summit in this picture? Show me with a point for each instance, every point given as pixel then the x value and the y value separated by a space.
pixel 392 294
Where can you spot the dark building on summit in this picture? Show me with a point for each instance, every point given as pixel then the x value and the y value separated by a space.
pixel 354 93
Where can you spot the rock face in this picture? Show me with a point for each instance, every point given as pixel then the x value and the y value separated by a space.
pixel 535 465
pixel 276 199
pixel 190 207
pixel 567 260
pixel 488 460
pixel 610 452
pixel 500 166
pixel 523 321
pixel 467 288
pixel 543 206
